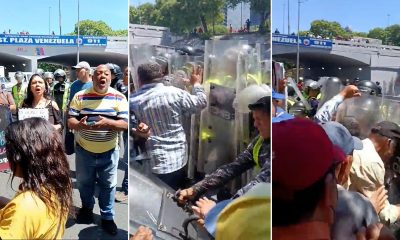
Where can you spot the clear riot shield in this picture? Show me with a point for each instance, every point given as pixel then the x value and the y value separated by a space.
pixel 140 54
pixel 223 131
pixel 391 112
pixel 330 87
pixel 364 112
pixel 390 109
pixel 153 206
pixel 180 67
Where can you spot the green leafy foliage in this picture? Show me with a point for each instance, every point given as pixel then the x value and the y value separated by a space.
pixel 182 16
pixel 97 28
pixel 48 67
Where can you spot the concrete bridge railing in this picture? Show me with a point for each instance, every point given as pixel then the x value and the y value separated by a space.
pixel 366 45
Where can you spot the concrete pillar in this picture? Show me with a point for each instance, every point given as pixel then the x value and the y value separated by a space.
pixel 31 65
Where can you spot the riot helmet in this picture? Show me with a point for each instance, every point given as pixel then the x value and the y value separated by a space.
pixel 59 73
pixel 310 84
pixel 369 87
pixel 186 50
pixel 115 69
pixel 48 77
pixel 314 85
pixel 298 109
pixel 40 72
pixel 19 76
pixel 307 83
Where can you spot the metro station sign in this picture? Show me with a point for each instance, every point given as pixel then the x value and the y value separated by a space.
pixel 304 41
pixel 50 40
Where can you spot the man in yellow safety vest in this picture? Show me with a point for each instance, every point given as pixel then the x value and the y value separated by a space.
pixel 256 155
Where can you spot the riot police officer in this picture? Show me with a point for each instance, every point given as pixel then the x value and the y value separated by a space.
pixel 298 109
pixel 116 73
pixel 18 90
pixel 49 78
pixel 40 72
pixel 369 87
pixel 61 89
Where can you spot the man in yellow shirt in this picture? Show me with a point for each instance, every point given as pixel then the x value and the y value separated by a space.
pixel 97 114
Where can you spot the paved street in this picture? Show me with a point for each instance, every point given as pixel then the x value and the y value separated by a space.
pixel 81 231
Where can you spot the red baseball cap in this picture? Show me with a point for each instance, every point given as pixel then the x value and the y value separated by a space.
pixel 301 154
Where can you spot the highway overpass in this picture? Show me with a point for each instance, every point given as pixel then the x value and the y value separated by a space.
pixel 343 59
pixel 23 52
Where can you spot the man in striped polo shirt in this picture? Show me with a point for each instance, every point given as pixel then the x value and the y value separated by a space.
pixel 97 114
pixel 162 108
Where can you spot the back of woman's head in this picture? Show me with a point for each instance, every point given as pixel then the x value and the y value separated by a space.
pixel 34 151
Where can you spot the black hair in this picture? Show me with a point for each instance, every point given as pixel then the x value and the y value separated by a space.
pixel 351 124
pixel 35 147
pixel 148 72
pixel 265 106
pixel 28 101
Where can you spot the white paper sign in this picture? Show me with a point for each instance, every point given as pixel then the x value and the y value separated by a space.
pixel 24 113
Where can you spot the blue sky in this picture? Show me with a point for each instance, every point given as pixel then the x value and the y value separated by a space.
pixel 359 15
pixel 33 16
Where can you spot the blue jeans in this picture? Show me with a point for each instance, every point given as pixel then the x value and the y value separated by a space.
pixel 103 168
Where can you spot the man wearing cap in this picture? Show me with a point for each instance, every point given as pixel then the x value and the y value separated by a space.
pixel 278 114
pixel 256 155
pixel 304 192
pixel 353 210
pixel 282 116
pixel 367 172
pixel 84 80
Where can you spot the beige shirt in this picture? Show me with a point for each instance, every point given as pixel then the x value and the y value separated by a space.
pixel 367 174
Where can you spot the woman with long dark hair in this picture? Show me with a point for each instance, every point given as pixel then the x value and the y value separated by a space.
pixel 38 96
pixel 42 204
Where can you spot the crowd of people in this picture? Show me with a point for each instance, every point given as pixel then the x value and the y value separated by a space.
pixel 88 117
pixel 159 105
pixel 329 168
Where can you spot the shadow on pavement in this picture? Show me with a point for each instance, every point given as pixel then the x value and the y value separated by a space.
pixel 95 232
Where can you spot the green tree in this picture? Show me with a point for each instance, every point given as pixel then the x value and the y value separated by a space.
pixel 262 7
pixel 180 16
pixel 378 33
pixel 304 33
pixel 393 35
pixel 49 67
pixel 134 15
pixel 360 34
pixel 119 33
pixel 93 28
pixel 97 28
pixel 146 14
pixel 327 29
pixel 169 13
